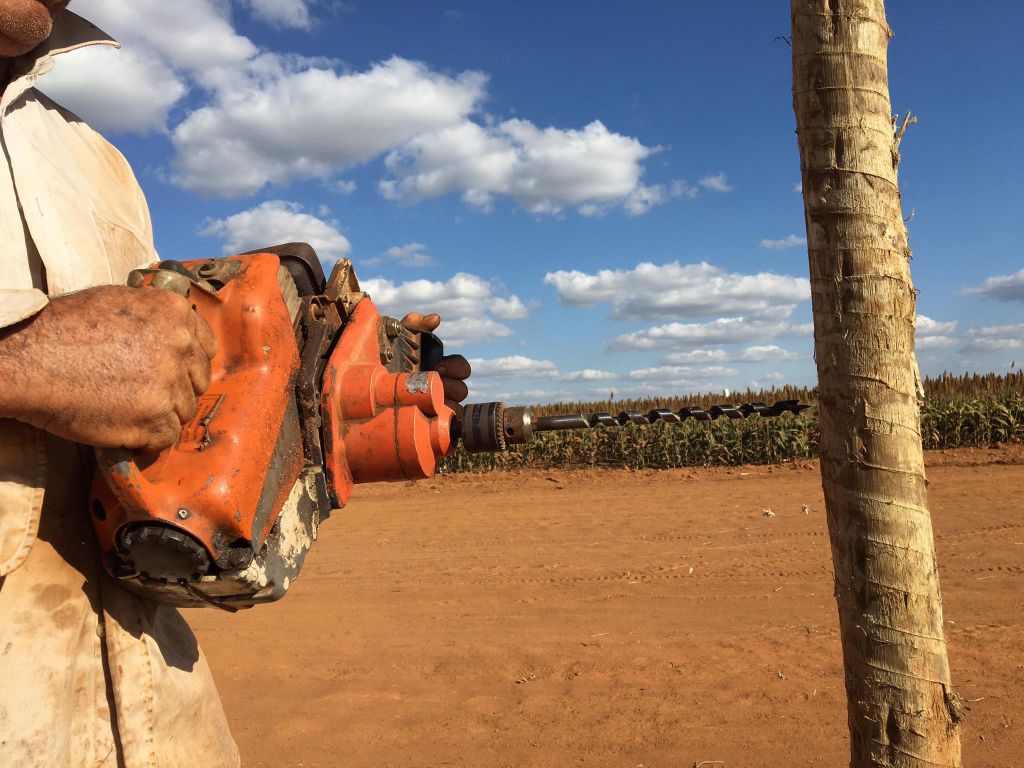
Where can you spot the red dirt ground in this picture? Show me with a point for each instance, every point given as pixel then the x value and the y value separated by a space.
pixel 605 618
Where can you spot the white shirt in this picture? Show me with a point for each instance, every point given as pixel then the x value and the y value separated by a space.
pixel 91 675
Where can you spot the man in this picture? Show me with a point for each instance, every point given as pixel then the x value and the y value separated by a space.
pixel 89 674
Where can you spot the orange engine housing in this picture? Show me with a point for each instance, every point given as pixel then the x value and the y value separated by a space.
pixel 301 407
pixel 378 425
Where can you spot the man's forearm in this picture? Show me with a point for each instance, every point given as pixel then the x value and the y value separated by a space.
pixel 18 386
pixel 109 366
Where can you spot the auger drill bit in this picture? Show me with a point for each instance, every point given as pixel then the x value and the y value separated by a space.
pixel 490 427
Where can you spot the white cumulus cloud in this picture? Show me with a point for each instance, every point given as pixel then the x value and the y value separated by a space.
pixel 127 90
pixel 1001 287
pixel 935 335
pixel 997 330
pixel 995 338
pixel 191 34
pixel 681 373
pixel 754 354
pixel 342 186
pixel 765 354
pixel 260 117
pixel 275 222
pixel 589 374
pixel 726 330
pixel 650 291
pixel 522 367
pixel 465 303
pixel 543 169
pixel 935 342
pixel 928 327
pixel 166 47
pixel 716 183
pixel 290 14
pixel 990 344
pixel 408 255
pixel 509 308
pixel 462 331
pixel 534 395
pixel 697 356
pixel 513 365
pixel 247 138
pixel 789 241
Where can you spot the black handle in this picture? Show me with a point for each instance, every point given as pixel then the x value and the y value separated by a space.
pixel 431 351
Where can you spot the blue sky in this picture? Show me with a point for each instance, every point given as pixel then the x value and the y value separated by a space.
pixel 597 196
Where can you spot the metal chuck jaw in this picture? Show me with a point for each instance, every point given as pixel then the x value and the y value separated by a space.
pixel 493 427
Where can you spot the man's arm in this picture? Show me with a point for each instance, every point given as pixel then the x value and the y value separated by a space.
pixel 110 367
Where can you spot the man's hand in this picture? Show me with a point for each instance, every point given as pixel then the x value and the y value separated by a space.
pixel 112 367
pixel 454 369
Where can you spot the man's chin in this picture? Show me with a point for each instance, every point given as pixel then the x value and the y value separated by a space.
pixel 24 24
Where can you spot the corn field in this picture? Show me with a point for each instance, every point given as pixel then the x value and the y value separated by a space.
pixel 958 412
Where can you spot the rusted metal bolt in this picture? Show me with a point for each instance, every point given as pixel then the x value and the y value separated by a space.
pixel 392 327
pixel 183 514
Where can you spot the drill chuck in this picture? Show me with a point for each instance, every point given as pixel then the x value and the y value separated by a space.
pixel 493 427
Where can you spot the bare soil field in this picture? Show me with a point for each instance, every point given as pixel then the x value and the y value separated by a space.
pixel 605 618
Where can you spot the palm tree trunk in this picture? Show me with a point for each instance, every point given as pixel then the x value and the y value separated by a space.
pixel 902 711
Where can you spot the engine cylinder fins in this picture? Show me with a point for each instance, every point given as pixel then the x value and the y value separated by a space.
pixel 162 553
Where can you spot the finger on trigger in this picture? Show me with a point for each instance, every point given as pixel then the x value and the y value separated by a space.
pixel 416 321
pixel 455 389
pixel 454 367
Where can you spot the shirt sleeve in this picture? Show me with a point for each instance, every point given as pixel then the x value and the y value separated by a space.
pixel 17 304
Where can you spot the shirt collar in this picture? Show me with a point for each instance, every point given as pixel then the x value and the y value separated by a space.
pixel 70 32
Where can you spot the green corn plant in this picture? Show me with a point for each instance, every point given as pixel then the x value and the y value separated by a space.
pixel 970 411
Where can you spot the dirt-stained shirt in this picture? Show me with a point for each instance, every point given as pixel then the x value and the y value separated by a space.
pixel 90 674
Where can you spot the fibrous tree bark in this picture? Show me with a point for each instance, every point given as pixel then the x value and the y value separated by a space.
pixel 902 710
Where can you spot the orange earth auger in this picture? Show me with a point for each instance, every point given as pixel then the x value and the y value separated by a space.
pixel 312 391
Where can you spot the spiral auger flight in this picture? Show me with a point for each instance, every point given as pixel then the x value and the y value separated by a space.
pixel 494 427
